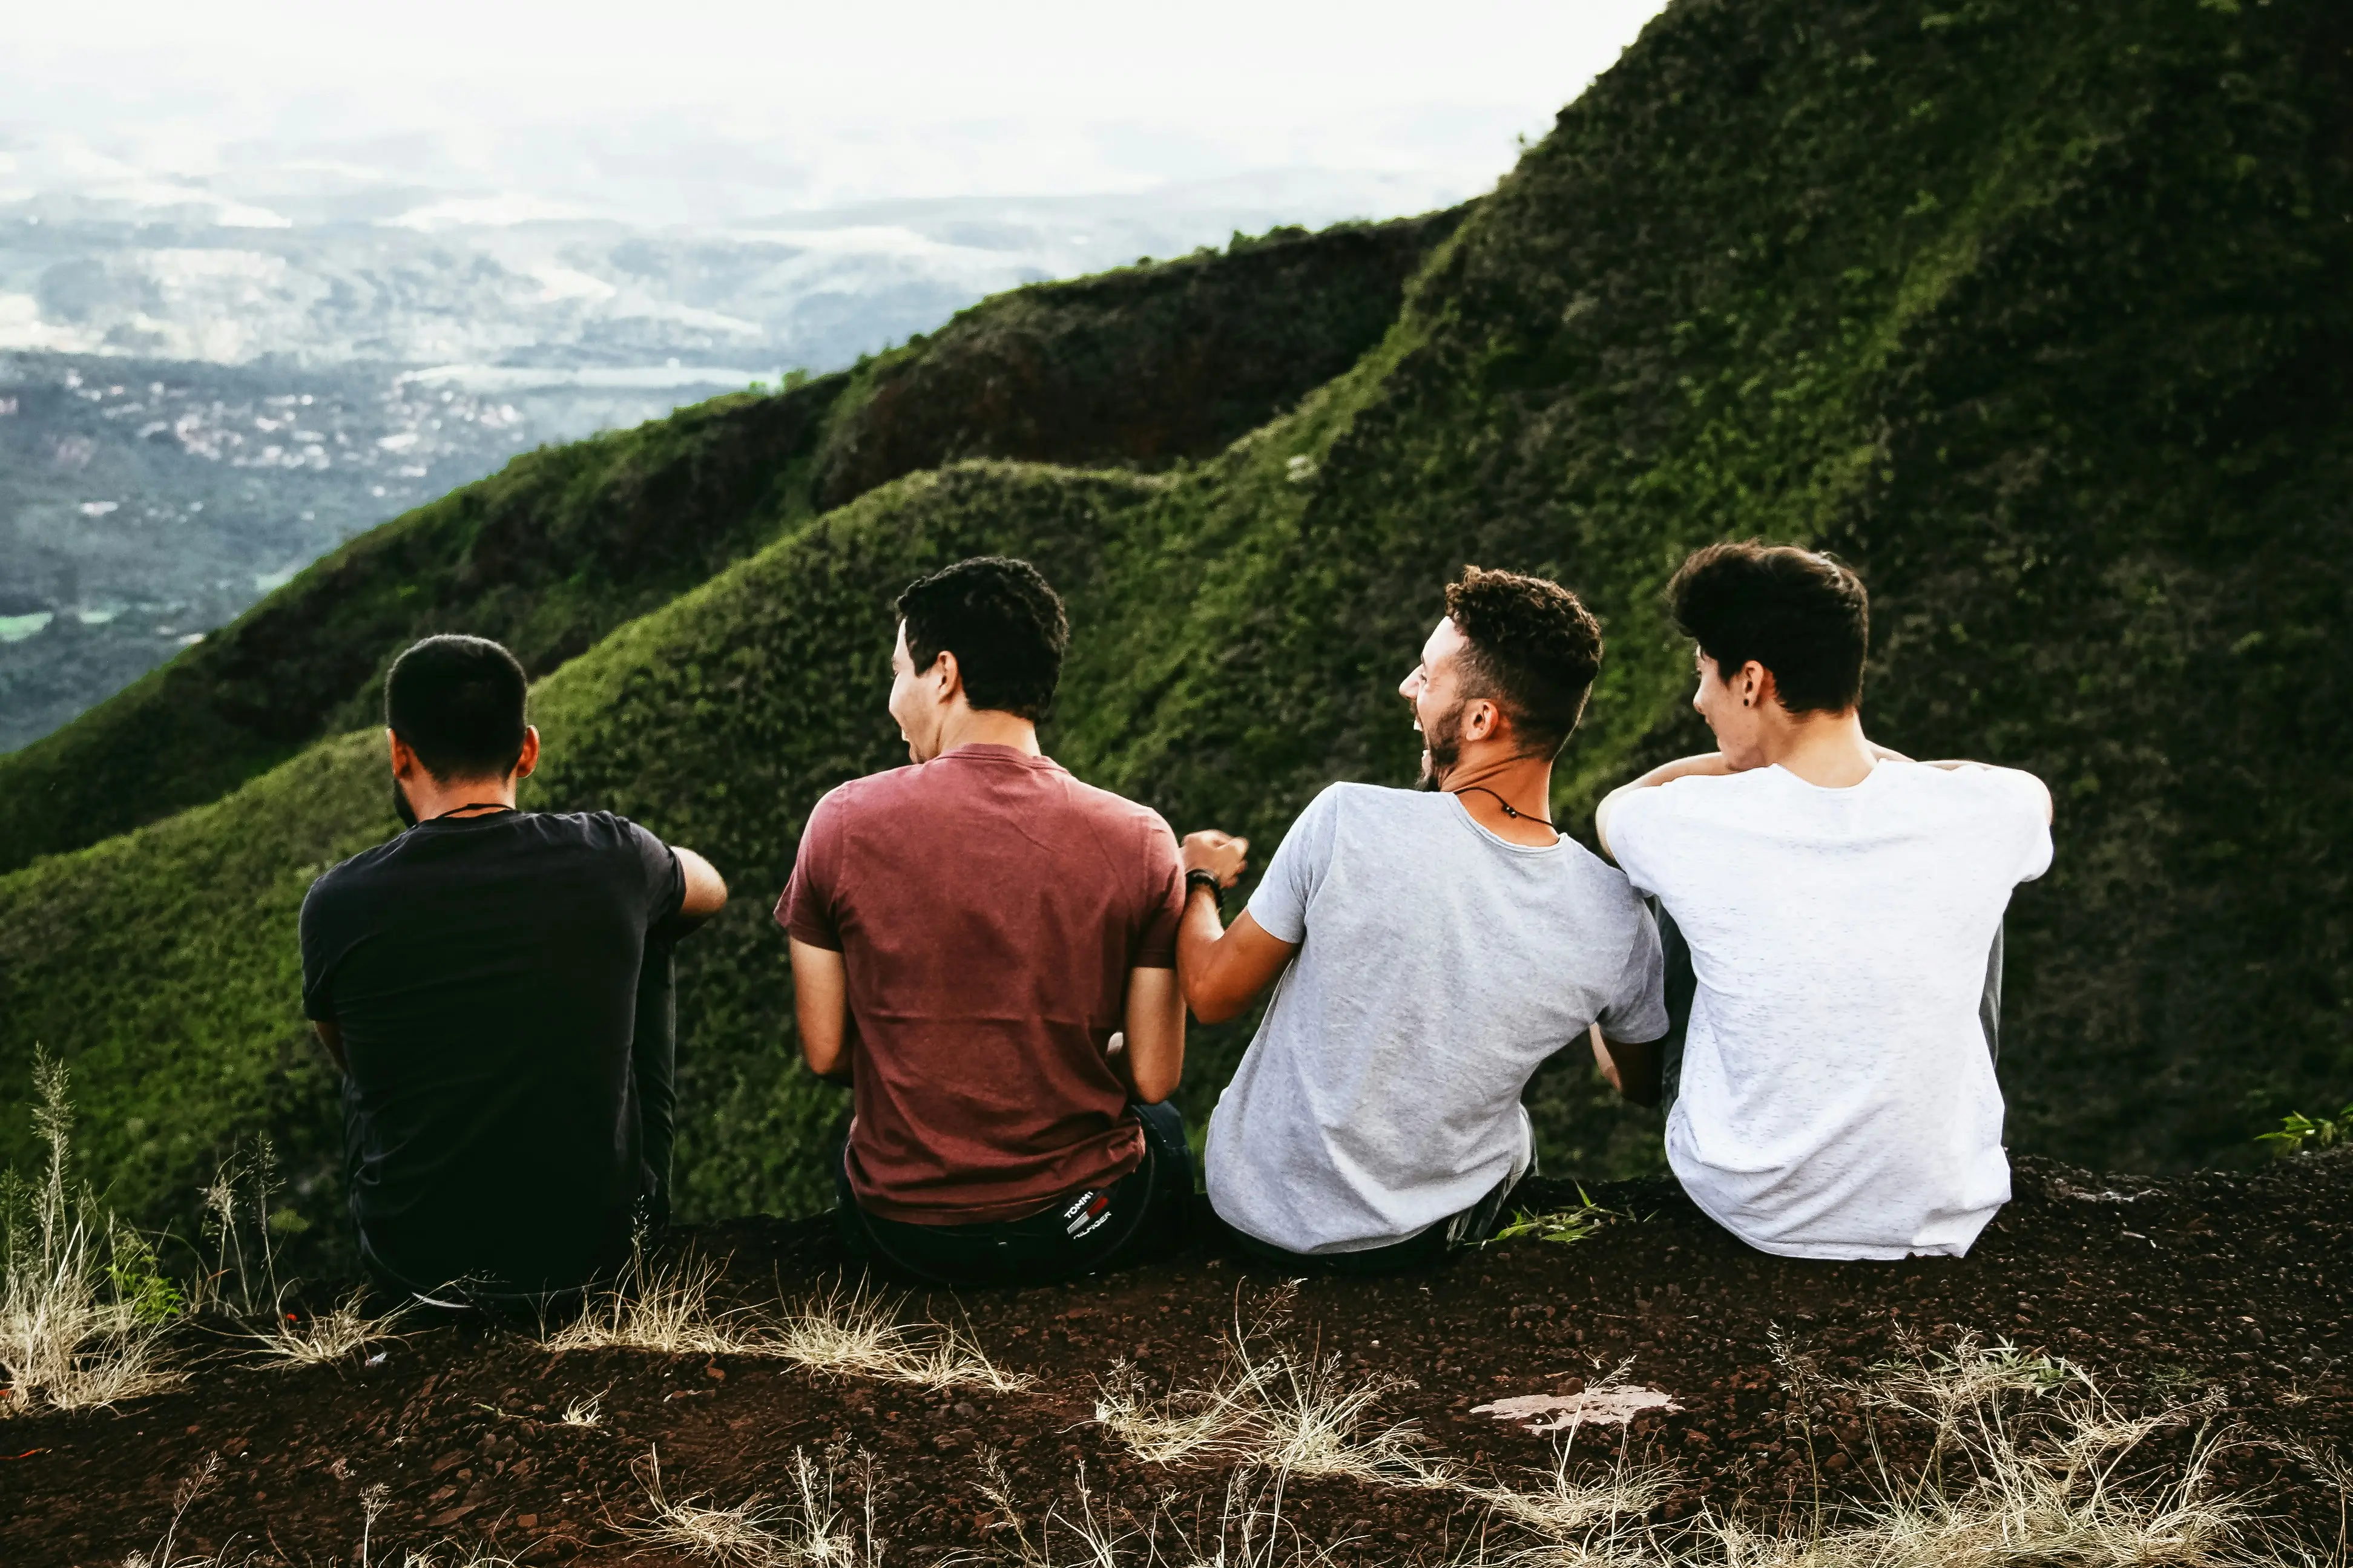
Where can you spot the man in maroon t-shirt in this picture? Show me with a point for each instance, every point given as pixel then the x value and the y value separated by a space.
pixel 986 949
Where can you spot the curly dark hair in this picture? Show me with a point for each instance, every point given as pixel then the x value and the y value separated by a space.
pixel 1801 614
pixel 1535 650
pixel 1003 622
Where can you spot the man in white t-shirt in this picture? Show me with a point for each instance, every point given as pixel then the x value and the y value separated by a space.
pixel 1429 949
pixel 1837 1097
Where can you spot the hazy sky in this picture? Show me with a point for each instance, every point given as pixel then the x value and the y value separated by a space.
pixel 686 111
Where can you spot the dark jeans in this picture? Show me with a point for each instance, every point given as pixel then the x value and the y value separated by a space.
pixel 1682 984
pixel 1143 1215
pixel 1428 1250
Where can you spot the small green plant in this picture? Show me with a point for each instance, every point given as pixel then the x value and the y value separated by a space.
pixel 1564 1226
pixel 137 1276
pixel 2296 1130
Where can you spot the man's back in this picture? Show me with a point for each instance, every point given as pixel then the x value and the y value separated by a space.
pixel 989 907
pixel 1437 966
pixel 1837 1097
pixel 482 976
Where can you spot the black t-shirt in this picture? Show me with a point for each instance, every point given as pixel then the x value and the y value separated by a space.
pixel 483 973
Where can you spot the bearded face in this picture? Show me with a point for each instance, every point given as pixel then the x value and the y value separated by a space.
pixel 1442 743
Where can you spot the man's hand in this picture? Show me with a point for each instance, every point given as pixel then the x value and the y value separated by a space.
pixel 1221 854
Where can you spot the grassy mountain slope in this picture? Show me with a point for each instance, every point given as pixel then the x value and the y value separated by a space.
pixel 1142 366
pixel 2034 311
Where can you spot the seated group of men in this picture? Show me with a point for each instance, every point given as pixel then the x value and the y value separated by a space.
pixel 1800 947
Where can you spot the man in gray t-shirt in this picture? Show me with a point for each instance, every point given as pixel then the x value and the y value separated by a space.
pixel 1429 950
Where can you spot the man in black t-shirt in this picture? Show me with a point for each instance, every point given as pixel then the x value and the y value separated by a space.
pixel 494 985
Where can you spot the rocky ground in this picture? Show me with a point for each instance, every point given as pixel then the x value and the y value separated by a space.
pixel 2220 1298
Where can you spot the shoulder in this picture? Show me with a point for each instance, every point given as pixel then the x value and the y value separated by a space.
pixel 1376 803
pixel 347 878
pixel 1112 806
pixel 1693 794
pixel 591 830
pixel 852 798
pixel 2008 791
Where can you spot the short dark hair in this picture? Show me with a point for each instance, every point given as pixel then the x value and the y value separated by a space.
pixel 1801 614
pixel 1535 650
pixel 457 704
pixel 1003 622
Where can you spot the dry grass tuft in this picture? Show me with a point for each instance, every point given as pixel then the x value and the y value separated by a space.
pixel 665 1308
pixel 588 1412
pixel 859 1334
pixel 1272 1408
pixel 83 1308
pixel 810 1529
pixel 329 1336
pixel 849 1333
pixel 1251 1532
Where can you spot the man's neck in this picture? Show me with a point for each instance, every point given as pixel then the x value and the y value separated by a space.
pixel 989 727
pixel 429 797
pixel 1826 750
pixel 1487 782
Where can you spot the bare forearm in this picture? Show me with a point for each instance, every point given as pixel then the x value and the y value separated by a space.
pixel 1200 936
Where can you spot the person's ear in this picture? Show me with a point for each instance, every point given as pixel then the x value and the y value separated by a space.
pixel 1755 684
pixel 404 761
pixel 950 678
pixel 1484 720
pixel 529 757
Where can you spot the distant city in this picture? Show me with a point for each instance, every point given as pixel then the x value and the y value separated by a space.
pixel 196 403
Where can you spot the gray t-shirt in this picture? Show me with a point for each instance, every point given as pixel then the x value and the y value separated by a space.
pixel 1437 966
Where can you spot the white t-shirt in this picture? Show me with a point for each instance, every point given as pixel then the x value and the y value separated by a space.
pixel 1838 1098
pixel 1439 965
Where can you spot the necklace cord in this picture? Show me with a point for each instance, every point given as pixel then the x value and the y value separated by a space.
pixel 1514 812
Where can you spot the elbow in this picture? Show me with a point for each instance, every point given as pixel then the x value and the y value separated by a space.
pixel 1208 1007
pixel 1151 1089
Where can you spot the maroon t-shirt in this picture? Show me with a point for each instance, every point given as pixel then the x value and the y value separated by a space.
pixel 988 907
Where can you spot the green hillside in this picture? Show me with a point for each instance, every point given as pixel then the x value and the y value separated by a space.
pixel 2035 311
pixel 1143 366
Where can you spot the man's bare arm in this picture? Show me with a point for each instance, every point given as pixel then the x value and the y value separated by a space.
pixel 706 889
pixel 1711 763
pixel 331 1035
pixel 1222 970
pixel 1634 1070
pixel 821 1008
pixel 1225 968
pixel 1152 1062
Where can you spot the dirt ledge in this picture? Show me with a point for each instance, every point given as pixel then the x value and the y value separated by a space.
pixel 2232 1286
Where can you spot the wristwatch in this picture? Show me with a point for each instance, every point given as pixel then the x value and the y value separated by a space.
pixel 1207 879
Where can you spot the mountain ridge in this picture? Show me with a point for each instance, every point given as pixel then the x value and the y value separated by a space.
pixel 2027 309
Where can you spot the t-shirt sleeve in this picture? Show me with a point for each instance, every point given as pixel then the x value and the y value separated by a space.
pixel 663 879
pixel 2023 795
pixel 1280 904
pixel 806 909
pixel 1163 899
pixel 1636 1013
pixel 1637 835
pixel 318 997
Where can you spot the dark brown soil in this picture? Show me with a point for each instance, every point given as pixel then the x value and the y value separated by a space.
pixel 2232 1286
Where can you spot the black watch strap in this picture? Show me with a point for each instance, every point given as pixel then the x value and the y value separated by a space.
pixel 1207 880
